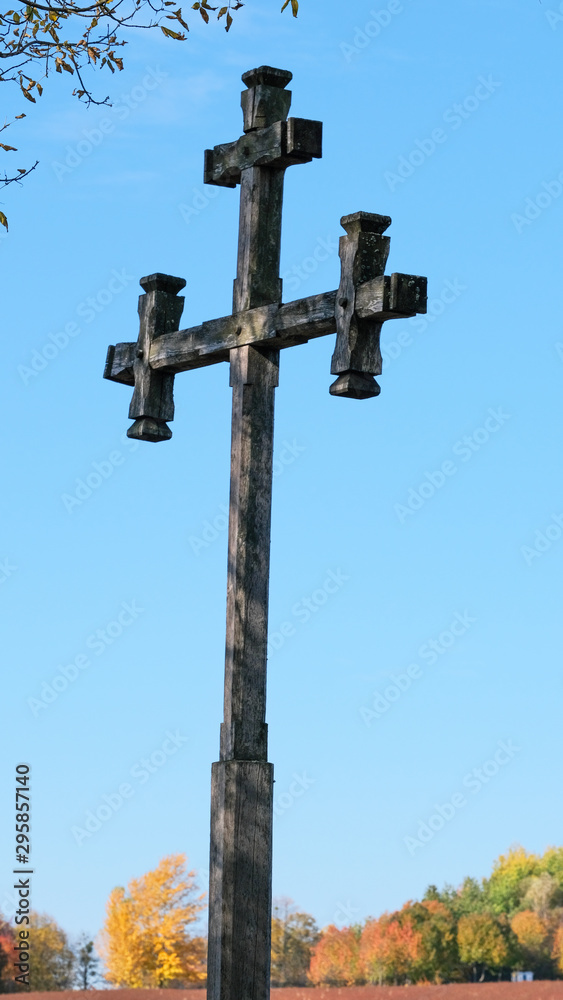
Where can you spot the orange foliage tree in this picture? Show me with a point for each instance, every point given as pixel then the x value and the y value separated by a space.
pixel 532 934
pixel 146 939
pixel 374 959
pixel 557 953
pixel 335 958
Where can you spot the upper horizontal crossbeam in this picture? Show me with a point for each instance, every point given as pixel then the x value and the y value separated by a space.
pixel 297 140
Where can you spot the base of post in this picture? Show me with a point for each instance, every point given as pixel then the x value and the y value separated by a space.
pixel 355 385
pixel 149 429
pixel 240 886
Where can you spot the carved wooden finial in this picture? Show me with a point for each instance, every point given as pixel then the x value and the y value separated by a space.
pixel 366 298
pixel 363 256
pixel 266 101
pixel 160 310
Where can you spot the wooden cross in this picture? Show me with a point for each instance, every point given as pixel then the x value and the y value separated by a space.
pixel 250 340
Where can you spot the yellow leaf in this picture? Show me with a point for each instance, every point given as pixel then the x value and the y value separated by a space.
pixel 3 221
pixel 28 96
pixel 222 12
pixel 229 22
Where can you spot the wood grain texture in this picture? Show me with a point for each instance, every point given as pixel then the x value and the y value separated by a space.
pixel 240 897
pixel 278 146
pixel 152 405
pixel 365 299
pixel 241 847
pixel 292 323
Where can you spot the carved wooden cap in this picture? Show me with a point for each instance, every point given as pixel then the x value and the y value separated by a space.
pixel 162 283
pixel 365 222
pixel 267 75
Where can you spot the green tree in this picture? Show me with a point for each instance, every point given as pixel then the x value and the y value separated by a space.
pixel 506 887
pixel 438 953
pixel 294 935
pixel 552 863
pixel 87 964
pixel 52 967
pixel 469 898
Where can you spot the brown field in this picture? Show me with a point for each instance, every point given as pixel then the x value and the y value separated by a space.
pixel 540 990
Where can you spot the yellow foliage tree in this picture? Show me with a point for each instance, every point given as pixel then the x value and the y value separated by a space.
pixel 145 940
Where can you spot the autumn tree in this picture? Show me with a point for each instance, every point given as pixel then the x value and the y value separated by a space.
pixel 534 942
pixel 6 957
pixel 557 952
pixel 146 940
pixel 335 957
pixel 543 894
pixel 294 935
pixel 52 967
pixel 483 944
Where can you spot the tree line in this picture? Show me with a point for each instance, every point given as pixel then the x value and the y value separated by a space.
pixel 481 930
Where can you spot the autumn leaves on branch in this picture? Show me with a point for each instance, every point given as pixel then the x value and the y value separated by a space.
pixel 70 36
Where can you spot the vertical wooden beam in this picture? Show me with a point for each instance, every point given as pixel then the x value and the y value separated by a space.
pixel 240 891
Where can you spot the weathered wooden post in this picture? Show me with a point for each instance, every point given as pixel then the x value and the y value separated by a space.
pixel 250 340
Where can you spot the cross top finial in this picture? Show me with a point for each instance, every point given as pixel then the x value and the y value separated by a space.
pixel 267 75
pixel 266 101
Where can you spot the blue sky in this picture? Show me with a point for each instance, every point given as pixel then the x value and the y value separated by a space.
pixel 437 507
